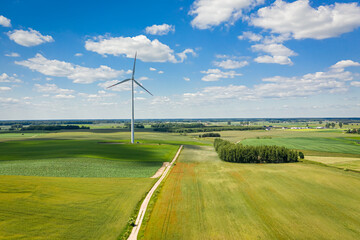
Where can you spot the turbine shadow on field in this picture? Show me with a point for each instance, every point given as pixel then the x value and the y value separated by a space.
pixel 45 149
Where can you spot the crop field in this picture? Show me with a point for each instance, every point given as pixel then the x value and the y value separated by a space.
pixel 205 198
pixel 40 149
pixel 67 185
pixel 339 162
pixel 339 145
pixel 79 167
pixel 67 208
pixel 108 135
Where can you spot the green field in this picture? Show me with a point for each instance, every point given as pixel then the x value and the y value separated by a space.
pixel 70 186
pixel 205 198
pixel 79 167
pixel 339 162
pixel 339 145
pixel 67 208
pixel 45 149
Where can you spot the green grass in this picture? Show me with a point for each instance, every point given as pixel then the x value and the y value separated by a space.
pixel 340 145
pixel 67 208
pixel 339 162
pixel 46 149
pixel 79 167
pixel 205 198
pixel 142 135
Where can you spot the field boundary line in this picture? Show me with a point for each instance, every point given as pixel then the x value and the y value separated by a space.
pixel 135 231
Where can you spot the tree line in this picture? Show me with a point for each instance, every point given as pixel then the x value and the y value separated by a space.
pixel 209 129
pixel 231 152
pixel 177 125
pixel 209 135
pixel 51 128
pixel 354 130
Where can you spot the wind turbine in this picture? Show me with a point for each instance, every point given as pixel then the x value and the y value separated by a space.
pixel 132 79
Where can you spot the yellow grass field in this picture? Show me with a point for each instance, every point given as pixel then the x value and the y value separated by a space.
pixel 205 198
pixel 67 208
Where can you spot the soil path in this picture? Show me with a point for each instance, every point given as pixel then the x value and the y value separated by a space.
pixel 161 170
pixel 140 217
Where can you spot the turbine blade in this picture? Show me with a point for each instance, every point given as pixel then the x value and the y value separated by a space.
pixel 142 87
pixel 134 66
pixel 119 83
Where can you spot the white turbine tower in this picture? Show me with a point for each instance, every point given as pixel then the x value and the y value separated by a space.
pixel 132 96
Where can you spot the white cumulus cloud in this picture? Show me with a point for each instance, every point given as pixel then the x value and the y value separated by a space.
pixel 211 13
pixel 278 53
pixel 64 96
pixel 13 54
pixel 160 29
pixel 148 51
pixel 253 37
pixel 9 100
pixel 331 81
pixel 5 88
pixel 231 64
pixel 78 74
pixel 9 79
pixel 213 75
pixel 355 83
pixel 301 20
pixel 29 38
pixel 183 55
pixel 5 22
pixel 345 63
pixel 52 88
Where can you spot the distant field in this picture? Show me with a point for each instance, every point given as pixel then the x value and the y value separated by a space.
pixel 79 167
pixel 340 162
pixel 144 136
pixel 205 198
pixel 318 142
pixel 340 145
pixel 87 190
pixel 67 208
pixel 45 149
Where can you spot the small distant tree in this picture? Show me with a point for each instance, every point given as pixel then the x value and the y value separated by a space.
pixel 229 122
pixel 327 125
pixel 332 125
pixel 301 155
pixel 340 124
pixel 320 122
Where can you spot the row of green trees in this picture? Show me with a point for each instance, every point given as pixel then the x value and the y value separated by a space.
pixel 51 128
pixel 231 152
pixel 209 129
pixel 354 130
pixel 209 135
pixel 177 125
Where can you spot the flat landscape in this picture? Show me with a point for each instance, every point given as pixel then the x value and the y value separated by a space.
pixel 206 198
pixel 180 120
pixel 88 184
pixel 70 186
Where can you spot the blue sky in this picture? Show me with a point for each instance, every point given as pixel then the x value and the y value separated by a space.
pixel 200 59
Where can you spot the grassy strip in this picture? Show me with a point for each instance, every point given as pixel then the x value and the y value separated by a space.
pixel 125 233
pixel 205 198
pixel 330 166
pixel 150 209
pixel 79 167
pixel 127 230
